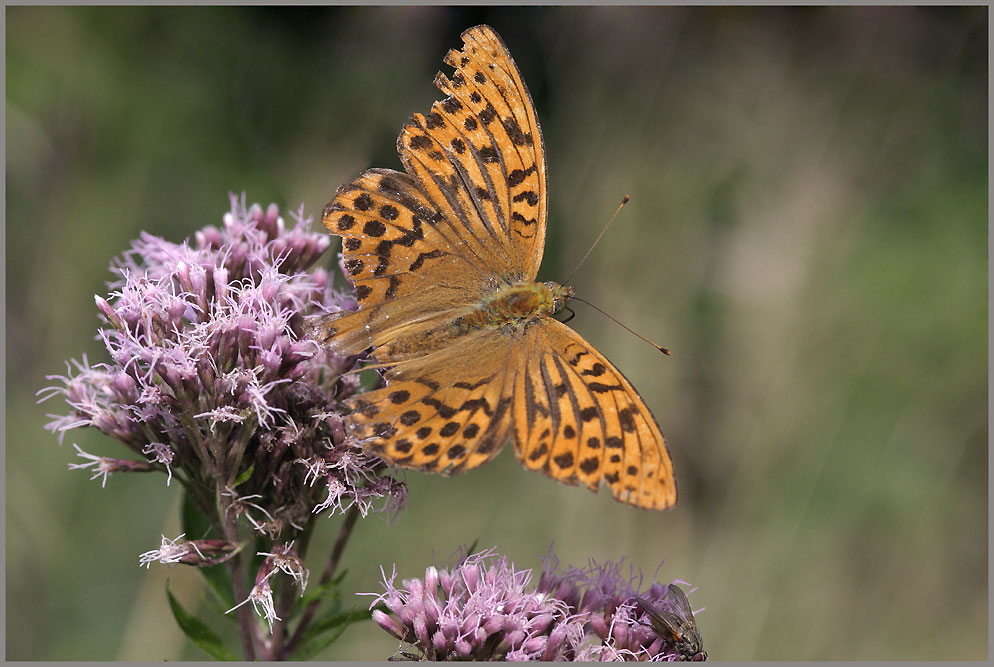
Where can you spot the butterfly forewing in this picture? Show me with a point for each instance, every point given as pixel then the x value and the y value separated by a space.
pixel 395 253
pixel 480 157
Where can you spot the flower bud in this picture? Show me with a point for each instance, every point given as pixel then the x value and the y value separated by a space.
pixel 463 649
pixel 421 630
pixel 125 388
pixel 220 279
pixel 598 625
pixel 556 639
pixel 255 213
pixel 471 576
pixel 198 284
pixel 534 645
pixel 516 638
pixel 387 622
pixel 541 623
pixel 109 313
pixel 620 634
pixel 298 371
pixel 440 643
pixel 496 624
pixel 450 628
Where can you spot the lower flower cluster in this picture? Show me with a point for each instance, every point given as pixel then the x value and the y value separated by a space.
pixel 485 609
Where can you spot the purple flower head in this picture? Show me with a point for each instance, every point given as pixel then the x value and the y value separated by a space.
pixel 211 379
pixel 485 609
pixel 481 609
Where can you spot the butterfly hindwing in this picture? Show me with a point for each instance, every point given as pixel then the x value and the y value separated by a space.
pixel 579 420
pixel 431 418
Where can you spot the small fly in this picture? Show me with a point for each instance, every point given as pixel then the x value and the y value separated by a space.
pixel 404 656
pixel 679 627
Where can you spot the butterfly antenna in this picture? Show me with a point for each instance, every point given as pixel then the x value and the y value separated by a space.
pixel 596 241
pixel 623 326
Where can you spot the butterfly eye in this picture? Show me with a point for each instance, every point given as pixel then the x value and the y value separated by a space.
pixel 560 295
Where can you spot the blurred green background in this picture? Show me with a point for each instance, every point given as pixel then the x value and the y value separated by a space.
pixel 807 232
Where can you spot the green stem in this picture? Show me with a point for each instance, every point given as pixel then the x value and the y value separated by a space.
pixel 344 532
pixel 246 623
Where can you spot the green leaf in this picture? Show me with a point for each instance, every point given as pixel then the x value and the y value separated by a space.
pixel 198 632
pixel 326 630
pixel 218 579
pixel 327 590
pixel 244 476
pixel 196 526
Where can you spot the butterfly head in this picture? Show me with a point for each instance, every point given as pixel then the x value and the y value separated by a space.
pixel 560 295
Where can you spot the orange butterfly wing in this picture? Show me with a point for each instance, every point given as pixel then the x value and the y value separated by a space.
pixel 570 412
pixel 480 158
pixel 578 419
pixel 469 214
pixel 447 411
pixel 407 264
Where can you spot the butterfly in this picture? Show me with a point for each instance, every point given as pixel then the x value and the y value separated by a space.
pixel 679 627
pixel 443 258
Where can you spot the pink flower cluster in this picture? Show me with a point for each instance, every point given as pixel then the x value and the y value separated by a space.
pixel 211 379
pixel 485 609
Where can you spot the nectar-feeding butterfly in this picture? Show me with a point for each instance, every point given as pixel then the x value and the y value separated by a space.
pixel 443 259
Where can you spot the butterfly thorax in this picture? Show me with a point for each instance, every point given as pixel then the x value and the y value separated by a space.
pixel 519 304
pixel 511 308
